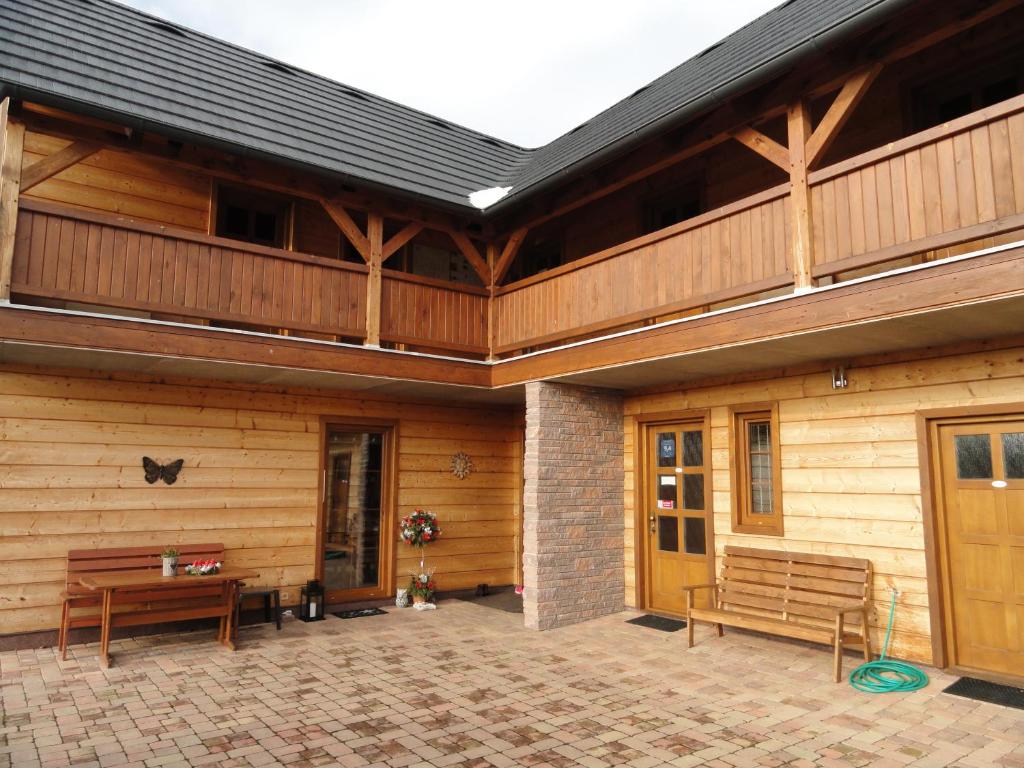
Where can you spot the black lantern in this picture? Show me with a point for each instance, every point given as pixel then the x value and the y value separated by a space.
pixel 311 601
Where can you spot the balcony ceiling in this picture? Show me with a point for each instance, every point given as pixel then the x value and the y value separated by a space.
pixel 986 320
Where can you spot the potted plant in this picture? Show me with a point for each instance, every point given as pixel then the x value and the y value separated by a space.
pixel 419 529
pixel 421 587
pixel 170 558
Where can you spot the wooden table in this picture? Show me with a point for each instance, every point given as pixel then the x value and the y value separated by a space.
pixel 152 586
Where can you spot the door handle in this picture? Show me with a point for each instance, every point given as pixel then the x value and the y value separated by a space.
pixel 653 526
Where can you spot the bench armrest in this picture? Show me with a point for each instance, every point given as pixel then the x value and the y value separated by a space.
pixel 694 587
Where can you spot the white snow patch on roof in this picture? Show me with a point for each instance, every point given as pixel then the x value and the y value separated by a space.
pixel 485 198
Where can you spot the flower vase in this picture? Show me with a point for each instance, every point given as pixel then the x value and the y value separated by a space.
pixel 170 566
pixel 418 599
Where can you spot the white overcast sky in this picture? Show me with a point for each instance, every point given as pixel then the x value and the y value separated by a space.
pixel 522 70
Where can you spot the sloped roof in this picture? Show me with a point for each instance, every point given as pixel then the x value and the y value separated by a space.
pixel 117 62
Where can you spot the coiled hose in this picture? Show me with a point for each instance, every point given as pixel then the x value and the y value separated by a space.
pixel 886 675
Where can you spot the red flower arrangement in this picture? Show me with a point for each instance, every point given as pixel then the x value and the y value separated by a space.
pixel 420 528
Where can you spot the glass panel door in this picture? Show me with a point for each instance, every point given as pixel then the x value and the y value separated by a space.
pixel 353 513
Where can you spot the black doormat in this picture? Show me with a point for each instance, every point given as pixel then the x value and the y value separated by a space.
pixel 658 622
pixel 506 600
pixel 982 690
pixel 358 613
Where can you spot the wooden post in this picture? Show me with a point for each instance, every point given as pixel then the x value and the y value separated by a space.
pixel 375 236
pixel 12 141
pixel 799 122
pixel 492 258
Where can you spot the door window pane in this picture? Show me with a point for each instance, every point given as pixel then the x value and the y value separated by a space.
pixel 693 491
pixel 351 553
pixel 973 457
pixel 1013 455
pixel 693 449
pixel 666 449
pixel 694 542
pixel 668 497
pixel 668 533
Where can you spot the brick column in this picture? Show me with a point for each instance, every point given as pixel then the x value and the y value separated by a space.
pixel 573 517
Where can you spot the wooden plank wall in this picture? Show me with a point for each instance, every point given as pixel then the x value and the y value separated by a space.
pixel 850 467
pixel 127 184
pixel 955 176
pixel 71 448
pixel 417 310
pixel 62 253
pixel 713 257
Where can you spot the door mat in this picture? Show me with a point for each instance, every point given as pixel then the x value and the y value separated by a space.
pixel 507 601
pixel 658 622
pixel 982 690
pixel 358 613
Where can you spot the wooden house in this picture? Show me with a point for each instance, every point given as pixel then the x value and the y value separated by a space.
pixel 773 299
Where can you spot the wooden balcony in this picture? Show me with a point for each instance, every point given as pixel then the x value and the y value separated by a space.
pixel 960 184
pixel 71 255
pixel 953 188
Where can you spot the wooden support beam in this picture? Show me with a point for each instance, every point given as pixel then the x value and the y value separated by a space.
pixel 407 233
pixel 508 254
pixel 12 142
pixel 799 129
pixel 375 250
pixel 476 261
pixel 61 160
pixel 765 146
pixel 839 112
pixel 348 227
pixel 492 261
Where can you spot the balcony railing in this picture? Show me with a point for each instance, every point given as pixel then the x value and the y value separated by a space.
pixel 74 255
pixel 735 251
pixel 959 185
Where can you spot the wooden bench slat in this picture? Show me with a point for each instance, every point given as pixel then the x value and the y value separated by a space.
pixel 803 557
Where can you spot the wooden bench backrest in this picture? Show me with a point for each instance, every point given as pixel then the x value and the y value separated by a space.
pixel 127 559
pixel 795 586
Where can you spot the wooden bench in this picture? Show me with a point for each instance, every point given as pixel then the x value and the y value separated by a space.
pixel 193 600
pixel 792 594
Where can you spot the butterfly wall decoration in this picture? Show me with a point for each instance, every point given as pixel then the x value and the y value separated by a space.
pixel 166 472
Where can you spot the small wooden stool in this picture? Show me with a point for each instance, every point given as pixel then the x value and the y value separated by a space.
pixel 268 594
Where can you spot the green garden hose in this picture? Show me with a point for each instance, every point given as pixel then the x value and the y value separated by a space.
pixel 886 675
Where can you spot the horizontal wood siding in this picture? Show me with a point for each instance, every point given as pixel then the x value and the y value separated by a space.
pixel 124 183
pixel 415 311
pixel 734 251
pixel 850 468
pixel 71 448
pixel 960 182
pixel 65 254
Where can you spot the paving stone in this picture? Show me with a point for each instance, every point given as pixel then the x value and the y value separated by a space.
pixel 470 687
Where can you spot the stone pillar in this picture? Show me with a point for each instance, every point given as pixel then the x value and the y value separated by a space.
pixel 573 516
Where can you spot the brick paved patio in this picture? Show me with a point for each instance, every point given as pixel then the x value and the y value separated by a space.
pixel 469 686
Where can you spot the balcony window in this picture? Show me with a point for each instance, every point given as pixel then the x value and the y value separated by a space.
pixel 252 217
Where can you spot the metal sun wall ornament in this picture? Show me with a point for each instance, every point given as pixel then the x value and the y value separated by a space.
pixel 166 472
pixel 462 465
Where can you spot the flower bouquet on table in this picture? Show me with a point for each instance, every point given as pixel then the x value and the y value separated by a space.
pixel 203 568
pixel 421 587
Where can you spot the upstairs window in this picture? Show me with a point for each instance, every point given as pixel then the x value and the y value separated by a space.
pixel 678 205
pixel 756 471
pixel 962 93
pixel 253 217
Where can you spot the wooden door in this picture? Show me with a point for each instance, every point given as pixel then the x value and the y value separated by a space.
pixel 677 502
pixel 982 540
